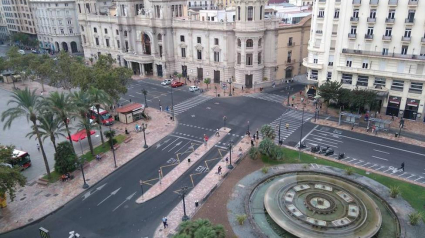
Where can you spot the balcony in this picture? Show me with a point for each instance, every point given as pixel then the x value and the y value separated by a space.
pixel 392 3
pixel 320 16
pixel 409 21
pixel 311 65
pixel 390 20
pixel 413 2
pixel 352 36
pixel 406 39
pixel 354 19
pixel 371 20
pixel 386 38
pixel 374 3
pixel 322 1
pixel 379 54
pixel 290 44
pixel 368 36
pixel 357 3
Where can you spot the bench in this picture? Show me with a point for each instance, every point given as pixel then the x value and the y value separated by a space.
pixel 116 146
pixel 43 182
pixel 101 155
pixel 128 139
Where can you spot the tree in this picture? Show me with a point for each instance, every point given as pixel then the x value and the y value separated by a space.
pixel 9 177
pixel 200 228
pixel 268 132
pixel 329 91
pixel 361 98
pixel 344 97
pixel 50 127
pixel 207 81
pixel 179 76
pixel 99 97
pixel 13 61
pixel 65 158
pixel 66 71
pixel 266 147
pixel 43 67
pixel 82 103
pixel 27 104
pixel 110 135
pixel 62 105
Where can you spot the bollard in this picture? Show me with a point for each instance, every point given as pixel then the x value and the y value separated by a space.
pixel 188 160
pixel 196 203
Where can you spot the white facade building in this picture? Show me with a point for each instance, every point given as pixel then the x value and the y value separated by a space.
pixel 377 45
pixel 4 32
pixel 57 25
pixel 162 37
pixel 18 16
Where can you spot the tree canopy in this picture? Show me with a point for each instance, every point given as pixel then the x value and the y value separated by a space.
pixel 9 177
pixel 329 91
pixel 65 158
pixel 200 228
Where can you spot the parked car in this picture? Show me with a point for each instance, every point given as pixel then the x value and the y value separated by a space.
pixel 176 84
pixel 193 88
pixel 166 82
pixel 22 52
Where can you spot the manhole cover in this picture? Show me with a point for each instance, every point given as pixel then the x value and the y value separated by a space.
pixel 55 195
pixel 23 198
pixel 47 195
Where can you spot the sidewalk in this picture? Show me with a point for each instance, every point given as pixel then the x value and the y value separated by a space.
pixel 35 201
pixel 183 166
pixel 31 85
pixel 202 190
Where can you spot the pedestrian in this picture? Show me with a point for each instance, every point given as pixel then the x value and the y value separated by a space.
pixel 219 170
pixel 253 137
pixel 257 134
pixel 164 222
pixel 38 147
pixel 301 92
pixel 160 108
pixel 233 90
pixel 287 126
pixel 166 108
pixel 227 160
pixel 402 166
pixel 217 133
pixel 252 143
pixel 242 88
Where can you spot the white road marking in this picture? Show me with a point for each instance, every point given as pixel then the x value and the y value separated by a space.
pixel 381 151
pixel 410 176
pixel 127 199
pixel 131 96
pixel 418 178
pixel 177 144
pixel 360 161
pixel 181 137
pixel 351 160
pixel 379 158
pixel 373 166
pixel 113 193
pixel 182 147
pixel 170 144
pixel 309 133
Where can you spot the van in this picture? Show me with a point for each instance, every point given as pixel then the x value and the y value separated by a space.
pixel 22 52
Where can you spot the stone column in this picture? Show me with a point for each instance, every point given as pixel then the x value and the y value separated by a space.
pixel 141 69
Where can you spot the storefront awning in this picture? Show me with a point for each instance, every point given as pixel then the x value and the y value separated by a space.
pixel 395 100
pixel 412 102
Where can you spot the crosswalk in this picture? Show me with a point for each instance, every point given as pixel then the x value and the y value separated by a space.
pixel 268 97
pixel 190 103
pixel 293 118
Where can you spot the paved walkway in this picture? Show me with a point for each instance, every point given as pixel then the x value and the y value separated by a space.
pixel 202 190
pixel 35 201
pixel 165 182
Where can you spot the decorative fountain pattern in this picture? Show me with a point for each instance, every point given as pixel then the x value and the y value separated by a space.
pixel 314 205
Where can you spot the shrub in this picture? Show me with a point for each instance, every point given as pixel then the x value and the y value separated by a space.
pixel 394 191
pixel 110 135
pixel 200 228
pixel 254 153
pixel 65 158
pixel 414 218
pixel 265 169
pixel 349 171
pixel 268 132
pixel 241 219
pixel 267 147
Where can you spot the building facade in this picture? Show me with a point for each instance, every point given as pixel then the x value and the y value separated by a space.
pixel 376 45
pixel 57 25
pixel 19 17
pixel 4 32
pixel 162 37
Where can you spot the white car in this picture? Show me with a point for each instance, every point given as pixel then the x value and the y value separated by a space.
pixel 22 52
pixel 166 82
pixel 193 88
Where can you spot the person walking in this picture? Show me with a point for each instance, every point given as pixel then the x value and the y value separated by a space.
pixel 287 126
pixel 160 108
pixel 38 147
pixel 227 160
pixel 257 134
pixel 402 166
pixel 252 143
pixel 217 133
pixel 219 170
pixel 242 88
pixel 164 222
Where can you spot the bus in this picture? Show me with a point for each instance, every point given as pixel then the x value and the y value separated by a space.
pixel 21 159
pixel 104 115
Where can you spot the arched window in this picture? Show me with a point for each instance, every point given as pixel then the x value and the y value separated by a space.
pixel 159 37
pixel 261 12
pixel 259 42
pixel 125 33
pixel 250 13
pixel 249 43
pixel 239 43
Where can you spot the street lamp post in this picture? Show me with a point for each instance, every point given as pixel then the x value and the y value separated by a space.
pixel 230 90
pixel 280 123
pixel 144 127
pixel 301 135
pixel 224 121
pixel 248 127
pixel 172 102
pixel 287 102
pixel 401 126
pixel 230 166
pixel 85 185
pixel 112 145
pixel 215 90
pixel 182 193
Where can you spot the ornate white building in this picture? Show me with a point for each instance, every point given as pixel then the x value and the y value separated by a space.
pixel 57 25
pixel 162 37
pixel 376 45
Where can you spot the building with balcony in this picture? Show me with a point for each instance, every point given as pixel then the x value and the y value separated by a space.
pixel 4 32
pixel 18 16
pixel 162 37
pixel 57 25
pixel 374 44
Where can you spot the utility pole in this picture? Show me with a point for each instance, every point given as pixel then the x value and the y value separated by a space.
pixel 230 166
pixel 301 135
pixel 172 102
pixel 112 145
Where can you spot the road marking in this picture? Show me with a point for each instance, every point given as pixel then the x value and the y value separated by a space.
pixel 177 144
pixel 187 139
pixel 373 166
pixel 381 151
pixel 113 193
pixel 365 164
pixel 131 96
pixel 351 160
pixel 309 133
pixel 373 143
pixel 410 176
pixel 379 158
pixel 326 138
pixel 89 193
pixel 170 144
pixel 402 174
pixel 360 161
pixel 182 147
pixel 127 199
pixel 418 178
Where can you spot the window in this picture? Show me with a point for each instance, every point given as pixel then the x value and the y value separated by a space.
pixel 66 4
pixel 71 31
pixel 259 42
pixel 107 42
pixel 329 76
pixel 365 65
pixel 391 14
pixel 199 55
pixel 216 56
pixel 125 33
pixel 126 46
pixel 353 30
pixel 239 13
pixel 314 74
pixel 69 22
pixel 290 41
pixel 411 15
pixel 259 57
pixel 183 52
pixel 97 40
pixel 261 12
pixel 331 60
pixel 321 13
pixel 379 82
pixel 404 49
pixel 239 43
pixel 95 30
pixel 248 59
pixel 160 50
pixel 356 13
pixel 397 85
pixel 362 80
pixel 372 13
pixel 106 31
pixel 118 44
pixel 198 39
pixel 415 87
pixel 347 78
pixel 239 58
pixel 289 58
pixel 388 31
pixel 349 62
pixel 407 33
pixel 215 41
pixel 370 31
pixel 62 31
pixel 250 13
pixel 336 14
pixel 249 43
pixel 82 28
pixel 182 38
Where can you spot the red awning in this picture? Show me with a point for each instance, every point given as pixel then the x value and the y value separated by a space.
pixel 80 135
pixel 130 108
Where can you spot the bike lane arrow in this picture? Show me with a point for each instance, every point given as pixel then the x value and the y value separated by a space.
pixel 127 199
pixel 113 193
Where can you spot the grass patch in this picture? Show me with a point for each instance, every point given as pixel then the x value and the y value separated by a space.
pixel 54 176
pixel 412 193
pixel 103 148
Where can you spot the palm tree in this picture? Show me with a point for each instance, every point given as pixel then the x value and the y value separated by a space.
pixel 50 126
pixel 98 97
pixel 27 104
pixel 85 124
pixel 61 105
pixel 81 102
